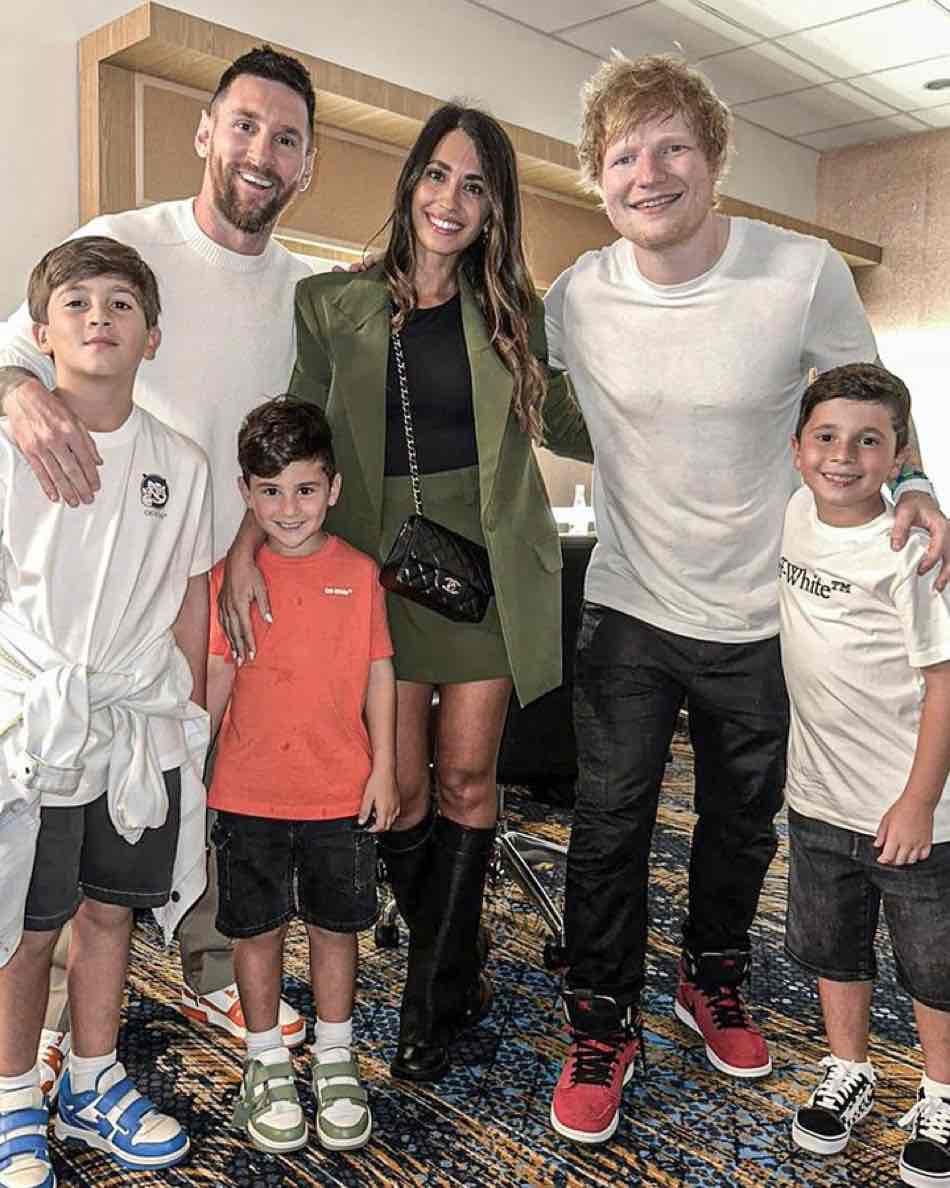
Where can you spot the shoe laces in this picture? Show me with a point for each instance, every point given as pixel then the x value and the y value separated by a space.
pixel 594 1059
pixel 727 1006
pixel 840 1084
pixel 930 1118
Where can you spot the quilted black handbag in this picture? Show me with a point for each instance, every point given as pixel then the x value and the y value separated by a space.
pixel 429 563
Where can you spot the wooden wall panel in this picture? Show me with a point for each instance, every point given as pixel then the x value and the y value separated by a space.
pixel 117 143
pixel 170 166
pixel 557 232
pixel 351 194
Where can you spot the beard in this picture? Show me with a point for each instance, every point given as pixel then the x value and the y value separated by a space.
pixel 245 214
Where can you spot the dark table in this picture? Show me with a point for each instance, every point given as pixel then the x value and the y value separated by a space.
pixel 537 748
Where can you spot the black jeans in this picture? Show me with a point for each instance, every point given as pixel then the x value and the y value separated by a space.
pixel 630 680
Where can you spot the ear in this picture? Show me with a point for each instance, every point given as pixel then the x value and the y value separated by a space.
pixel 796 448
pixel 41 337
pixel 308 166
pixel 203 135
pixel 152 342
pixel 335 488
pixel 245 493
pixel 899 459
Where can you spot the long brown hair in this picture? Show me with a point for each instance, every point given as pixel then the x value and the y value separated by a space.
pixel 493 264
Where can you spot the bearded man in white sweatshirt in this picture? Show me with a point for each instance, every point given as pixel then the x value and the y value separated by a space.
pixel 228 330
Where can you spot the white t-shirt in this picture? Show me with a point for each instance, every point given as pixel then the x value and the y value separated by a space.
pixel 102 580
pixel 228 340
pixel 857 624
pixel 690 393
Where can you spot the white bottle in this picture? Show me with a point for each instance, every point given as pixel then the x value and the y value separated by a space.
pixel 580 513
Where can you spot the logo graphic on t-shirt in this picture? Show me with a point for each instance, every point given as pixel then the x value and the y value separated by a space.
pixel 154 494
pixel 800 578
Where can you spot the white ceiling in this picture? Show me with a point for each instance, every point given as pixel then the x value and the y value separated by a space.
pixel 823 73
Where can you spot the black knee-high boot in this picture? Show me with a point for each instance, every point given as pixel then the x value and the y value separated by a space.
pixel 443 985
pixel 407 854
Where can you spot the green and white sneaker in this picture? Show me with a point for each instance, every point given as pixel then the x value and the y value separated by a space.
pixel 343 1120
pixel 268 1109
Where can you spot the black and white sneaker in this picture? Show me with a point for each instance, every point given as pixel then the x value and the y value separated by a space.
pixel 843 1097
pixel 925 1159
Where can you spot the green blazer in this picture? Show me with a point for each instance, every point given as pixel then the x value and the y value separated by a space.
pixel 343 327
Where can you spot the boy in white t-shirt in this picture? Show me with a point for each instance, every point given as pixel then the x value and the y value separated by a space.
pixel 103 646
pixel 866 653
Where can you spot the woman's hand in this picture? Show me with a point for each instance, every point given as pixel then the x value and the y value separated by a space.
pixel 242 585
pixel 363 264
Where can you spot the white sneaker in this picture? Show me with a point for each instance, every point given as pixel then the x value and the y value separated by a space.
pixel 116 1118
pixel 925 1159
pixel 222 1008
pixel 24 1153
pixel 843 1097
pixel 343 1118
pixel 51 1057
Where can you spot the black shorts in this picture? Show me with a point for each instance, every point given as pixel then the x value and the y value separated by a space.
pixel 79 852
pixel 835 890
pixel 272 870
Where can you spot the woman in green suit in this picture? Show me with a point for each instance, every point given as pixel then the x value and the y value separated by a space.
pixel 455 288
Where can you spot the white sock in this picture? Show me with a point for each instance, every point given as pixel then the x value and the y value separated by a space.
pixel 84 1070
pixel 933 1088
pixel 332 1043
pixel 24 1081
pixel 261 1043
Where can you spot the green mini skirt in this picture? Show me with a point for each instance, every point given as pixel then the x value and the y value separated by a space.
pixel 428 647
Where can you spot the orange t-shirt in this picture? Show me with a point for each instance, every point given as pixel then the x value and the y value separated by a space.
pixel 293 744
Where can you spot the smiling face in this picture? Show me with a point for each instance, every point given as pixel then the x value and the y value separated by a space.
pixel 450 204
pixel 256 144
pixel 657 185
pixel 96 329
pixel 291 506
pixel 846 451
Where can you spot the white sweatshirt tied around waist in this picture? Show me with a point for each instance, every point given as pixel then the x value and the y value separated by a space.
pixel 47 705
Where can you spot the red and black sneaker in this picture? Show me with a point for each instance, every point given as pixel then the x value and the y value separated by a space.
pixel 718 1013
pixel 600 1061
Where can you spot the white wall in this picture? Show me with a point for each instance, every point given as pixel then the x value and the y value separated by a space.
pixel 446 49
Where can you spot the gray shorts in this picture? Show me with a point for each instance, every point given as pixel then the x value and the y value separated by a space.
pixel 79 852
pixel 835 890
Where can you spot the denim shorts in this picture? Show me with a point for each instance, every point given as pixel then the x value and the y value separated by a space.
pixel 79 852
pixel 835 890
pixel 270 871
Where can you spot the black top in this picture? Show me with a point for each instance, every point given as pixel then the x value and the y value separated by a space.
pixel 440 393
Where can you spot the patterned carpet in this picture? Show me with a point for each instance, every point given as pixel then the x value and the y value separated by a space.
pixel 487 1122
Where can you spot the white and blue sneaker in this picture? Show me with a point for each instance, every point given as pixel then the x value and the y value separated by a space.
pixel 117 1119
pixel 24 1152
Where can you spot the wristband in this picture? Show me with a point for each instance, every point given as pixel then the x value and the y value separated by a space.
pixel 909 474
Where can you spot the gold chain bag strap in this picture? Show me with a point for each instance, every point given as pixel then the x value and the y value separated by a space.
pixel 429 563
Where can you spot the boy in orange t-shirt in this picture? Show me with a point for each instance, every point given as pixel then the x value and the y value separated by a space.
pixel 304 775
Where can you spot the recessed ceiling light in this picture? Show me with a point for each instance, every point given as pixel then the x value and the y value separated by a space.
pixel 937 84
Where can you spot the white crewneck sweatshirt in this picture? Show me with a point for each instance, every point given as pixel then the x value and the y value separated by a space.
pixel 690 393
